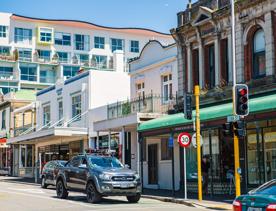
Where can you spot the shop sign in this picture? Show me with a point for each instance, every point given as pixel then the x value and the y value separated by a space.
pixel 184 139
pixel 194 140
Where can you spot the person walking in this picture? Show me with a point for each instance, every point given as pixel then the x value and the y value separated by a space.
pixel 205 165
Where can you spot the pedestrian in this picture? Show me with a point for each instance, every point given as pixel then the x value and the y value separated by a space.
pixel 205 165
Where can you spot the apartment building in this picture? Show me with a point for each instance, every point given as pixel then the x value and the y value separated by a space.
pixel 35 53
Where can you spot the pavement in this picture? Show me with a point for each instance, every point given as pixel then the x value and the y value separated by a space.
pixel 30 196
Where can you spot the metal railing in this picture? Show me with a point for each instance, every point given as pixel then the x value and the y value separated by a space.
pixel 18 131
pixel 142 104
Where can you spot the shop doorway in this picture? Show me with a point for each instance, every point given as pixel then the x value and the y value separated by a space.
pixel 152 164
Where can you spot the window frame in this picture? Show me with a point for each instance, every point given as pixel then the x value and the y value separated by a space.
pixel 3 31
pixel 114 47
pixel 62 41
pixel 21 38
pixel 100 61
pixel 134 49
pixel 166 153
pixel 167 85
pixel 45 35
pixel 75 112
pixel 61 59
pixel 46 115
pixel 71 71
pixel 28 75
pixel 256 55
pixel 140 89
pixel 97 42
pixel 84 42
pixel 3 125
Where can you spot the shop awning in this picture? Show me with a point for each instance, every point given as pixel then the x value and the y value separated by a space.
pixel 256 105
pixel 3 140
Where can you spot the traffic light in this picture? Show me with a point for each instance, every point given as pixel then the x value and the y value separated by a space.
pixel 241 100
pixel 239 128
pixel 227 129
pixel 188 111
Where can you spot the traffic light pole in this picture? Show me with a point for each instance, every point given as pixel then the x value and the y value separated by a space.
pixel 198 146
pixel 236 139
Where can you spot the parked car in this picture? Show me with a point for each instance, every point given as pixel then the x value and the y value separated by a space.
pixel 262 198
pixel 98 176
pixel 49 172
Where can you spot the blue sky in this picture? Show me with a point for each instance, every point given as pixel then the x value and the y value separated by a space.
pixel 158 15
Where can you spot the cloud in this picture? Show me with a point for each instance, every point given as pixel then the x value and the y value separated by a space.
pixel 166 5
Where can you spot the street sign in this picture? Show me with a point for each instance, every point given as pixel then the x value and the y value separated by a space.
pixel 233 118
pixel 184 139
pixel 170 142
pixel 194 140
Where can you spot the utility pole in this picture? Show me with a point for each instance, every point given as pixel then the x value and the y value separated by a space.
pixel 198 146
pixel 236 139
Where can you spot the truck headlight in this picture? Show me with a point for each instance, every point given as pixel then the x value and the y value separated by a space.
pixel 105 177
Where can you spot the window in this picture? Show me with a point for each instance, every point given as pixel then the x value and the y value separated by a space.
pixel 82 42
pixel 83 58
pixel 259 54
pixel 195 66
pixel 134 46
pixel 210 66
pixel 140 89
pixel 70 71
pixel 99 62
pixel 6 90
pixel 22 35
pixel 75 162
pixel 25 55
pixel 44 55
pixel 3 31
pixel 3 119
pixel 76 106
pixel 47 76
pixel 166 151
pixel 63 57
pixel 99 42
pixel 28 72
pixel 167 87
pixel 117 44
pixel 45 35
pixel 46 115
pixel 62 38
pixel 4 50
pixel 60 109
pixel 6 72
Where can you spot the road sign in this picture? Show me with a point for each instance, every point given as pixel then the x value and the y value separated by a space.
pixel 194 140
pixel 184 139
pixel 170 142
pixel 233 118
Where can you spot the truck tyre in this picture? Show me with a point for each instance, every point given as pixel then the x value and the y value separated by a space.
pixel 134 199
pixel 92 195
pixel 43 183
pixel 62 193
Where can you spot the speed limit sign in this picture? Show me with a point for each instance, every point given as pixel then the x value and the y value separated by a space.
pixel 184 139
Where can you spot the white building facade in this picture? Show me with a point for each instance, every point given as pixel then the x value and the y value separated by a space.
pixel 153 77
pixel 35 53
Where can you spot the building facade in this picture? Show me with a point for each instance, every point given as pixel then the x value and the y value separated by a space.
pixel 153 85
pixel 203 37
pixel 35 53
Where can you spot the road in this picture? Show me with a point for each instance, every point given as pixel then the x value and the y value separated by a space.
pixel 30 197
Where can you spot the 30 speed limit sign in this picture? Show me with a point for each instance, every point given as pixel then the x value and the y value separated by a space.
pixel 184 139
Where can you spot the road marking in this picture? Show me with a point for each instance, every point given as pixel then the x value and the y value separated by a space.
pixel 30 190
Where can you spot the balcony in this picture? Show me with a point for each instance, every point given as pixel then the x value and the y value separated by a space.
pixel 147 104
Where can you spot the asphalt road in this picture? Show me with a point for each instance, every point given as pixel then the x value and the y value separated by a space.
pixel 30 197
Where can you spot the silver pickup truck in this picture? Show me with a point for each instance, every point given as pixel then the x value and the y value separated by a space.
pixel 98 176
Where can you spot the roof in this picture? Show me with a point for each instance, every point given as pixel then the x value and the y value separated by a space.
pixel 88 25
pixel 256 105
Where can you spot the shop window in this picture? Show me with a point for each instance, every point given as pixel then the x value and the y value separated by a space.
pixel 99 42
pixel 166 151
pixel 29 157
pixel 62 38
pixel 23 156
pixel 82 42
pixel 134 46
pixel 117 44
pixel 167 88
pixel 259 54
pixel 46 115
pixel 76 107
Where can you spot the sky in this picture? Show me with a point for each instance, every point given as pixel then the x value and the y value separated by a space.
pixel 159 15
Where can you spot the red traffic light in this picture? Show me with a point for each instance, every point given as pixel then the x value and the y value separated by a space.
pixel 242 91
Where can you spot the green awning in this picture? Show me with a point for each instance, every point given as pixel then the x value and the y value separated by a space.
pixel 256 105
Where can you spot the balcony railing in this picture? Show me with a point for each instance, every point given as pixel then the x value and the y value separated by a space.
pixel 147 104
pixel 20 130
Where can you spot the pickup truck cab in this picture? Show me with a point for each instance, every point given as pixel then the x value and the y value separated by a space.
pixel 98 176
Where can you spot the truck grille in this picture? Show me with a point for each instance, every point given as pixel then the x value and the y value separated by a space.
pixel 123 178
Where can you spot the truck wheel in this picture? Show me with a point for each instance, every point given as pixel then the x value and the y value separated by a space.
pixel 92 195
pixel 62 193
pixel 134 199
pixel 43 183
